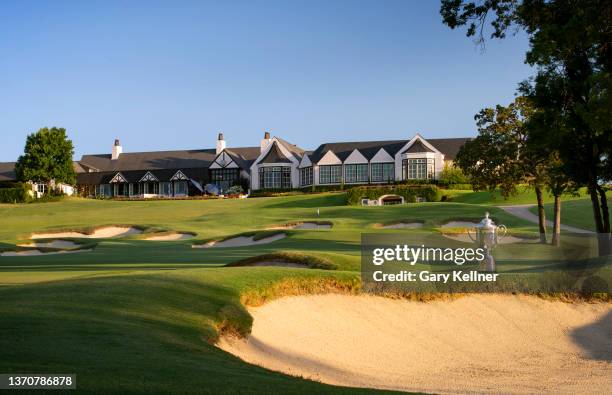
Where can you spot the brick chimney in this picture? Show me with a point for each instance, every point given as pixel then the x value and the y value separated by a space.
pixel 117 150
pixel 220 143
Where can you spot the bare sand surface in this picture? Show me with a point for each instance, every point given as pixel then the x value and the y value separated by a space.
pixel 171 237
pixel 51 244
pixel 39 252
pixel 403 225
pixel 474 344
pixel 100 233
pixel 459 224
pixel 302 225
pixel 240 241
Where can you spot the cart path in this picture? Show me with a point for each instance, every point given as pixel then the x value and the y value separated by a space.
pixel 522 211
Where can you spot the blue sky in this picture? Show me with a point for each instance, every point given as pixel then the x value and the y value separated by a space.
pixel 171 75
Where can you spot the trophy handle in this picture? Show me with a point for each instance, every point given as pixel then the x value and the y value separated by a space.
pixel 474 239
pixel 502 231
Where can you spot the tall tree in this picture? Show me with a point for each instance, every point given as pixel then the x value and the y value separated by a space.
pixel 501 156
pixel 47 156
pixel 570 45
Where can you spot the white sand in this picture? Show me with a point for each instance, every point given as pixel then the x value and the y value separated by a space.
pixel 38 252
pixel 475 344
pixel 302 225
pixel 51 244
pixel 101 233
pixel 403 225
pixel 459 224
pixel 241 241
pixel 171 237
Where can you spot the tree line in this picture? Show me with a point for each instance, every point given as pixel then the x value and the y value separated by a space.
pixel 556 135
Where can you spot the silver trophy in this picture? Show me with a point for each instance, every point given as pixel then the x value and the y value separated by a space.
pixel 487 236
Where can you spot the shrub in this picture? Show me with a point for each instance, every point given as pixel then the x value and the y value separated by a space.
pixel 235 190
pixel 410 193
pixel 18 194
pixel 451 175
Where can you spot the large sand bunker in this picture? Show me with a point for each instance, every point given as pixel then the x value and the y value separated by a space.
pixel 100 233
pixel 241 241
pixel 474 344
pixel 171 237
pixel 59 244
pixel 459 224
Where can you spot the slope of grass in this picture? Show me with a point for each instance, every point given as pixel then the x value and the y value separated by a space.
pixel 525 195
pixel 137 316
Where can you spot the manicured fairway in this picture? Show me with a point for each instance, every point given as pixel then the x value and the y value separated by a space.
pixel 138 316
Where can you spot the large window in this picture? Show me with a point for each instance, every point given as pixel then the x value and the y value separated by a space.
pixel 383 172
pixel 165 188
pixel 330 174
pixel 229 175
pixel 180 188
pixel 356 173
pixel 306 176
pixel 103 190
pixel 275 177
pixel 418 169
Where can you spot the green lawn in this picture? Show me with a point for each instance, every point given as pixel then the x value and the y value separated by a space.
pixel 136 316
pixel 525 195
pixel 578 213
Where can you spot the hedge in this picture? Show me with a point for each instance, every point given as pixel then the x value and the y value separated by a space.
pixel 410 193
pixel 14 195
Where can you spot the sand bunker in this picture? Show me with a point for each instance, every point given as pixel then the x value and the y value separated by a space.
pixel 403 225
pixel 100 233
pixel 61 244
pixel 39 252
pixel 240 241
pixel 171 237
pixel 302 225
pixel 475 344
pixel 459 224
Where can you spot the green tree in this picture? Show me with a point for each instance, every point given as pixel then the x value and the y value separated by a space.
pixel 452 174
pixel 501 157
pixel 570 47
pixel 47 156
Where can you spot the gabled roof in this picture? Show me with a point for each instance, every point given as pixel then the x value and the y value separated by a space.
pixel 135 176
pixel 275 155
pixel 7 171
pixel 244 157
pixel 294 149
pixel 418 146
pixel 449 147
pixel 150 160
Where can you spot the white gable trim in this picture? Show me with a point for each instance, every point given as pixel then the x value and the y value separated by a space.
pixel 355 157
pixel 305 162
pixel 284 151
pixel 215 165
pixel 118 178
pixel 418 137
pixel 179 175
pixel 148 177
pixel 329 159
pixel 223 160
pixel 381 156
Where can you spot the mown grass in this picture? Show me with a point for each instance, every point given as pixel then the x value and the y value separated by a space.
pixel 525 195
pixel 135 316
pixel 578 213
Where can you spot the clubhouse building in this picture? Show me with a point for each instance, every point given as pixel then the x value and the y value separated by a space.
pixel 274 164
